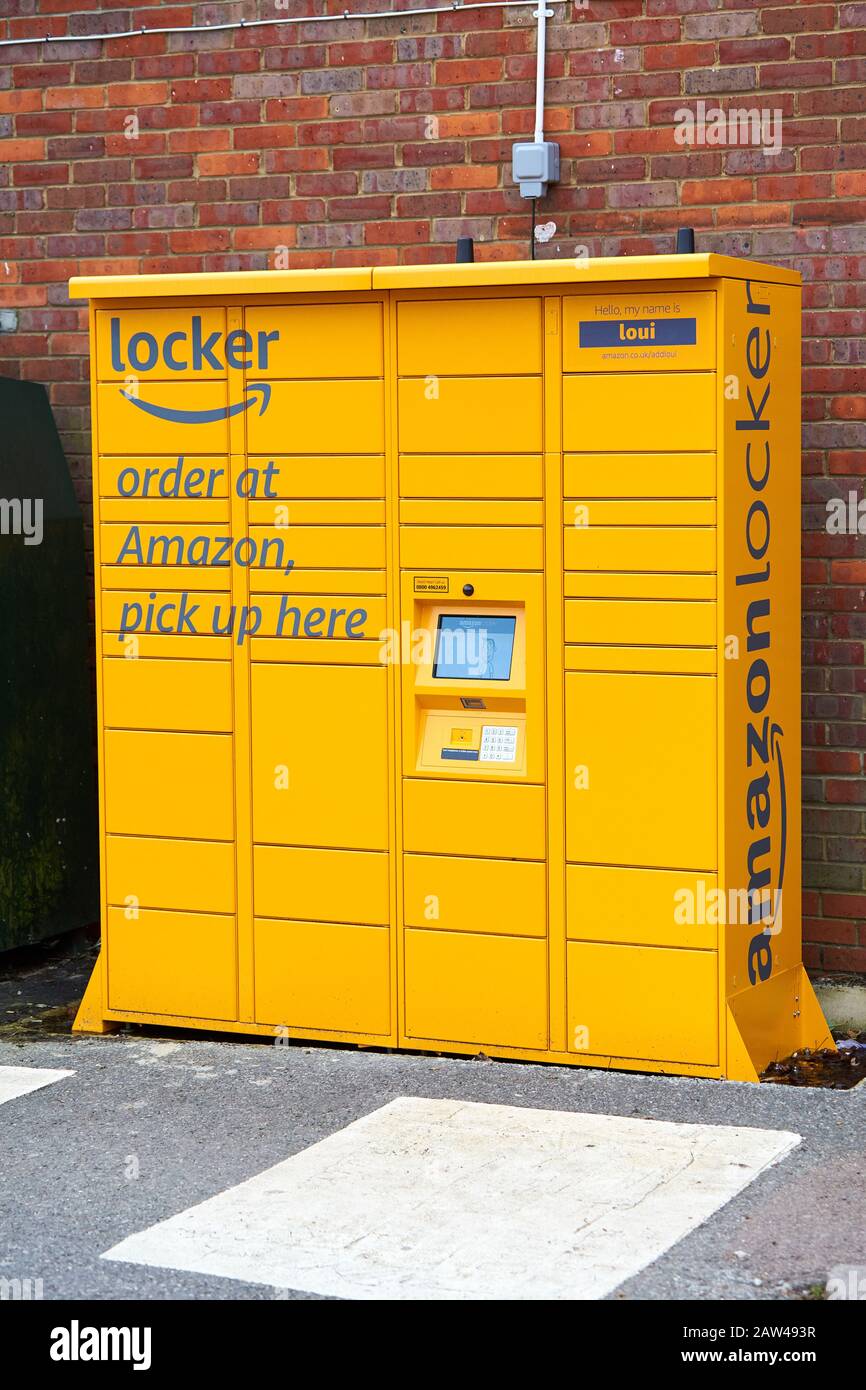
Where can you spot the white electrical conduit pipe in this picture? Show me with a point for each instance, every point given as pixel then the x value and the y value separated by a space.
pixel 295 19
pixel 542 14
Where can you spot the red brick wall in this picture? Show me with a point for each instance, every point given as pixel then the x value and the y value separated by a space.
pixel 318 138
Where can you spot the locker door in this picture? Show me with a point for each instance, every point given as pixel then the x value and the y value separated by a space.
pixel 320 756
pixel 641 769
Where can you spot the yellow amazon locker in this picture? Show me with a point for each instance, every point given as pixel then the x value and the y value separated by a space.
pixel 489 736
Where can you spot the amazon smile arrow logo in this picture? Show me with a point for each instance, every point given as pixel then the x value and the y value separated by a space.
pixel 254 391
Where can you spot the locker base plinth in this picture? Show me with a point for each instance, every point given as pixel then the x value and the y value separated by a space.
pixel 771 1021
pixel 89 1018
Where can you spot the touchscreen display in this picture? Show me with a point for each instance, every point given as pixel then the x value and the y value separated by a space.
pixel 471 647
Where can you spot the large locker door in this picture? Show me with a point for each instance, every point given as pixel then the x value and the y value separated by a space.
pixel 641 769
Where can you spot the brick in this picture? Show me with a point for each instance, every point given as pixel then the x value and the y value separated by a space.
pixel 134 94
pixel 465 176
pixel 707 81
pixel 200 239
pixel 165 167
pixel 42 174
pixel 392 232
pixel 182 141
pixel 765 50
pixel 468 123
pixel 229 112
pixel 21 100
pixel 327 80
pixel 680 56
pixel 851 184
pixel 201 89
pixel 720 26
pixel 645 31
pixel 242 162
pixel 797 20
pixel 393 181
pixel 716 191
pixel 363 103
pixel 788 75
pixel 15 150
pixel 44 123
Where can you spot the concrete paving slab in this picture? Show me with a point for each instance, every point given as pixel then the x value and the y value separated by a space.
pixel 437 1199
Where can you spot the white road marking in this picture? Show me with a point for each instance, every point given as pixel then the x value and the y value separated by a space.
pixel 439 1199
pixel 20 1081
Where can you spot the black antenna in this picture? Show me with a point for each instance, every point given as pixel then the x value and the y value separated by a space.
pixel 686 241
pixel 465 250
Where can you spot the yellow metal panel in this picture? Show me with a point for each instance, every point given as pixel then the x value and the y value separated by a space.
pixel 134 511
pixel 182 647
pixel 553 629
pixel 241 749
pixel 306 546
pixel 629 413
pixel 471 475
pixel 321 884
pixel 338 652
pixel 659 624
pixel 125 422
pixel 308 512
pixel 346 475
pixel 465 337
pixel 319 417
pixel 640 475
pixel 171 579
pixel 580 271
pixel 322 976
pixel 643 907
pixel 641 770
pixel 480 989
pixel 499 896
pixel 686 660
pixel 320 756
pixel 247 283
pixel 331 280
pixel 168 784
pixel 638 332
pixel 473 818
pixel 470 415
pixel 663 548
pixel 602 584
pixel 155 963
pixel 476 512
pixel 471 547
pixel 666 1002
pixel 768 1023
pixel 167 695
pixel 352 584
pixel 319 340
pixel 581 512
pixel 184 875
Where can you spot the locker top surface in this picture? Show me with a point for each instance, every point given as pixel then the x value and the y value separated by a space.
pixel 486 274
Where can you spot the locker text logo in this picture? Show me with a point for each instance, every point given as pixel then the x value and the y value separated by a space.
pixel 766 788
pixel 143 354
